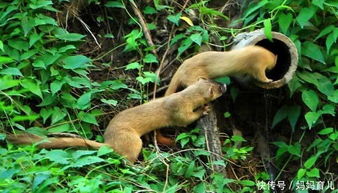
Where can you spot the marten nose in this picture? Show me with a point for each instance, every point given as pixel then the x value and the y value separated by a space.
pixel 223 88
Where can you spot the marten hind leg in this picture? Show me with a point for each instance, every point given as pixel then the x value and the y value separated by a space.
pixel 128 144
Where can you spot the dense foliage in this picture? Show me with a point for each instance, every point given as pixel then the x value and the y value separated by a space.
pixel 48 85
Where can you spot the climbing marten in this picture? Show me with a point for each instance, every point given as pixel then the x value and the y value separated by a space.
pixel 251 60
pixel 125 129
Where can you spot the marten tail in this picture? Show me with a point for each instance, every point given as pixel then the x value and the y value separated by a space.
pixel 173 86
pixel 53 142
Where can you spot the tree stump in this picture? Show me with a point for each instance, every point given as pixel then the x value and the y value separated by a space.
pixel 211 132
pixel 286 66
pixel 282 46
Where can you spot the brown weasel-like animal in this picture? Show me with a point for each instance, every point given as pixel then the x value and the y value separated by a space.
pixel 125 129
pixel 251 60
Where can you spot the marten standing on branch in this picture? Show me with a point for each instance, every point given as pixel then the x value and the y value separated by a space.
pixel 250 60
pixel 125 129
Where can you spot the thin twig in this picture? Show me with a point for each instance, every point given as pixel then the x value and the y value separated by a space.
pixel 87 28
pixel 144 26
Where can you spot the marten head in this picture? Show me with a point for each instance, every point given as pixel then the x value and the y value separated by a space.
pixel 210 89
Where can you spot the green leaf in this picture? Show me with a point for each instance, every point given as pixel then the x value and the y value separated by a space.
pixel 58 114
pixel 247 183
pixel 226 115
pixel 199 174
pixel 208 11
pixel 2 46
pixel 311 118
pixel 295 149
pixel 253 7
pixel 88 118
pixel 40 4
pixel 325 31
pixel 284 21
pixel 32 86
pixel 8 82
pixel 84 101
pixel 301 172
pixel 310 162
pixel 28 54
pixel 200 188
pixel 280 115
pixel 311 99
pixel 27 24
pixel 332 38
pixel 88 160
pixel 133 65
pixel 25 118
pixel 267 29
pixel 149 10
pixel 18 44
pixel 11 71
pixel 184 45
pixel 333 97
pixel 293 115
pixel 79 153
pixel 44 20
pixel 318 3
pixel 104 150
pixel 58 156
pixel 313 51
pixel 114 4
pixel 131 39
pixel 61 128
pixel 197 38
pixel 69 36
pixel 109 102
pixel 305 15
pixel 328 109
pixel 326 131
pixel 175 18
pixel 45 114
pixel 74 62
pixel 33 38
pixel 56 85
pixel 39 64
pixel 5 60
pixel 39 178
pixel 176 38
pixel 150 58
pixel 314 172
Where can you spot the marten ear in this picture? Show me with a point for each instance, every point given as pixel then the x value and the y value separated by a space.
pixel 201 78
pixel 210 92
pixel 276 58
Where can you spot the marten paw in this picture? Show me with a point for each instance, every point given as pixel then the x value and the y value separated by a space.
pixel 206 109
pixel 267 80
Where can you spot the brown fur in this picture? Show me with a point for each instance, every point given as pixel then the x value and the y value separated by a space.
pixel 125 129
pixel 251 60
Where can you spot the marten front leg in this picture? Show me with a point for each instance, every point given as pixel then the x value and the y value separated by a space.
pixel 197 113
pixel 262 77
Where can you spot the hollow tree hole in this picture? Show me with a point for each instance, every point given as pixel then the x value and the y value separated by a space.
pixel 284 57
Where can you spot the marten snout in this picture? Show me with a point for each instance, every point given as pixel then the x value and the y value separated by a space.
pixel 223 88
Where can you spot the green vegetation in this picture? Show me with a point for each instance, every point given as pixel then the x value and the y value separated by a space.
pixel 58 80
